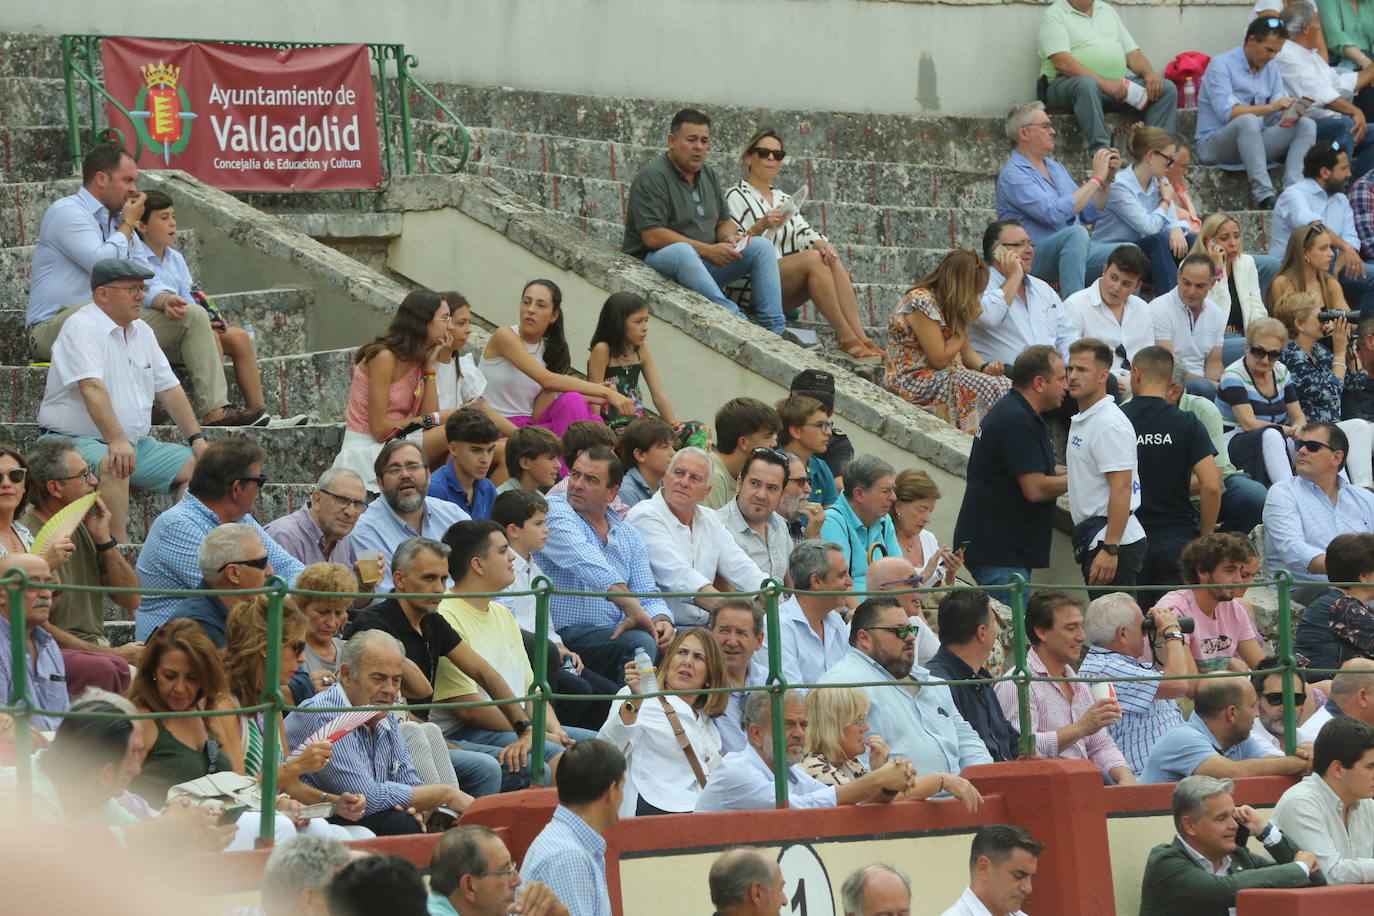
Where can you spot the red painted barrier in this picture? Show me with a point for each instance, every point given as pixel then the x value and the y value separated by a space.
pixel 1306 901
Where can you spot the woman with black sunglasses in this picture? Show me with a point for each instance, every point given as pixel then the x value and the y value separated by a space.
pixel 810 267
pixel 1256 395
pixel 14 496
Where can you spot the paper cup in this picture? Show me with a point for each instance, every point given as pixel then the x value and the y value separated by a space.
pixel 370 567
pixel 1102 690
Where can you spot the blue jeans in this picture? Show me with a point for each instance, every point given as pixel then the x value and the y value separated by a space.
pixel 1202 388
pixel 1359 291
pixel 481 742
pixel 1242 503
pixel 1232 348
pixel 478 774
pixel 1069 258
pixel 1163 264
pixel 758 262
pixel 989 576
pixel 1267 267
pixel 605 656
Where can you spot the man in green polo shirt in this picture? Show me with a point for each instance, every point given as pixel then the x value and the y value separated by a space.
pixel 678 224
pixel 1086 52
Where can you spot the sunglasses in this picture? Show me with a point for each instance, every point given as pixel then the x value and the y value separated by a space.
pixel 768 153
pixel 696 198
pixel 1121 354
pixel 259 563
pixel 905 631
pixel 1315 229
pixel 770 452
pixel 17 475
pixel 260 480
pixel 1261 353
pixel 1312 445
pixel 1276 699
pixel 909 582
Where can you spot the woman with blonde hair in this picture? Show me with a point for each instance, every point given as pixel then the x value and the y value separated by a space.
pixel 325 618
pixel 930 361
pixel 1306 265
pixel 809 266
pixel 1140 210
pixel 665 776
pixel 837 736
pixel 1237 291
pixel 1319 376
pixel 1256 396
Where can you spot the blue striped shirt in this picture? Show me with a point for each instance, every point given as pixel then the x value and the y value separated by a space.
pixel 575 559
pixel 1144 719
pixel 570 857
pixel 372 761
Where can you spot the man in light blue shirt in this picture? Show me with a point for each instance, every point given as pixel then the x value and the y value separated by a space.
pixel 1319 199
pixel 812 632
pixel 859 522
pixel 226 482
pixel 1305 513
pixel 1019 310
pixel 405 509
pixel 494 884
pixel 1240 107
pixel 925 728
pixel 1038 192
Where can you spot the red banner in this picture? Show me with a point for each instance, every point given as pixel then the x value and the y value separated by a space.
pixel 249 119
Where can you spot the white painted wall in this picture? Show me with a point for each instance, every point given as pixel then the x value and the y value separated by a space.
pixel 965 58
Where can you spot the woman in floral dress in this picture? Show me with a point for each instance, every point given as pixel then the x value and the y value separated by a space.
pixel 930 361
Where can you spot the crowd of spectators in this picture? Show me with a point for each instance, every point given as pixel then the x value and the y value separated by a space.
pixel 1193 380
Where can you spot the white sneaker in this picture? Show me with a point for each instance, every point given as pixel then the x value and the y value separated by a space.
pixel 299 419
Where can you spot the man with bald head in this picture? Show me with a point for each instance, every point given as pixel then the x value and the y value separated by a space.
pixel 47 676
pixel 876 890
pixel 1216 741
pixel 745 882
pixel 890 574
pixel 1352 694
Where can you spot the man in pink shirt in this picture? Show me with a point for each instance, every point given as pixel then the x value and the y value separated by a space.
pixel 1066 720
pixel 1224 635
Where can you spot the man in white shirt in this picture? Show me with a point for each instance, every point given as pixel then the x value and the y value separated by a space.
pixel 689 549
pixel 1109 311
pixel 1190 326
pixel 106 370
pixel 752 516
pixel 1307 74
pixel 1001 864
pixel 1019 310
pixel 813 634
pixel 97 223
pixel 1104 494
pixel 1330 812
pixel 1352 695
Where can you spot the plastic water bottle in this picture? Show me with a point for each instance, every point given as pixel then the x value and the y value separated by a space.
pixel 645 666
pixel 1190 93
pixel 248 329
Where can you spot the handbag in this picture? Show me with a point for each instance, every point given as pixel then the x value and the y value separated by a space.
pixel 226 786
pixel 683 742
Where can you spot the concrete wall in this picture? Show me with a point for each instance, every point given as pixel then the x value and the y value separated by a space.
pixel 900 57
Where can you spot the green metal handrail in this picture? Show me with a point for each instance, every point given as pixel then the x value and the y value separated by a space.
pixel 274 705
pixel 79 56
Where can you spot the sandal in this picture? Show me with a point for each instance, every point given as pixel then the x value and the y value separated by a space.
pixel 856 350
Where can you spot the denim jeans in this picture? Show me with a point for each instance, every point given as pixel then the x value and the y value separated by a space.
pixel 1242 503
pixel 1202 388
pixel 1232 348
pixel 1163 264
pixel 1070 258
pixel 476 774
pixel 603 655
pixel 483 743
pixel 1359 291
pixel 758 262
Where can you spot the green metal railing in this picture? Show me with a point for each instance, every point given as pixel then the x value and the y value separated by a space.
pixel 273 705
pixel 447 141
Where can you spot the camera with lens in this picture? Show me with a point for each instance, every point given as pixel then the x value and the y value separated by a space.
pixel 1333 314
pixel 1185 624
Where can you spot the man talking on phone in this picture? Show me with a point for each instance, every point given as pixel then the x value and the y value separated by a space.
pixel 1200 872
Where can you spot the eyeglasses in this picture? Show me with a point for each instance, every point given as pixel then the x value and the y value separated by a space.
pixel 1261 353
pixel 1024 243
pixel 260 480
pixel 1047 124
pixel 1171 160
pixel 824 426
pixel 504 873
pixel 135 291
pixel 768 153
pixel 346 502
pixel 259 563
pixel 696 196
pixel 861 720
pixel 905 631
pixel 800 481
pixel 1312 445
pixel 915 581
pixel 17 475
pixel 411 467
pixel 1276 699
pixel 89 475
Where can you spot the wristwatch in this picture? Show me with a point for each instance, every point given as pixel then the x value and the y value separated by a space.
pixel 1110 549
pixel 631 705
pixel 521 727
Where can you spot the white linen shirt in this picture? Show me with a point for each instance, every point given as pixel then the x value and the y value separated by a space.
pixel 970 905
pixel 744 782
pixel 76 233
pixel 805 657
pixel 657 768
pixel 1192 339
pixel 1101 439
pixel 1306 74
pixel 1003 332
pixel 127 360
pixel 686 558
pixel 1310 813
pixel 1134 332
pixel 522 607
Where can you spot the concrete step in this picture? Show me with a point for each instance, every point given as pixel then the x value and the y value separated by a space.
pixel 30 153
pixel 275 500
pixel 345 225
pixel 278 317
pixel 33 100
pixel 22 54
pixel 22 206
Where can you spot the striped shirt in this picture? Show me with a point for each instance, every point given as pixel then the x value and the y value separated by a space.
pixel 1238 387
pixel 371 760
pixel 570 857
pixel 747 207
pixel 1144 718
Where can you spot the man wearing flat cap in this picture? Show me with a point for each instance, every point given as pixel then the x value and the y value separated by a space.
pixel 106 370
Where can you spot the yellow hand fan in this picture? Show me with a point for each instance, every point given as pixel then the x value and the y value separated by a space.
pixel 63 523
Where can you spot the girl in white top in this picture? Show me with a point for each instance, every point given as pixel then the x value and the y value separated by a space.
pixel 810 267
pixel 526 367
pixel 660 778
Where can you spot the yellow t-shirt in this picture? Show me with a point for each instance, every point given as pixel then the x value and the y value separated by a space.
pixel 493 634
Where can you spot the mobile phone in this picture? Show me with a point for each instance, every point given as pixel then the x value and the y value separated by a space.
pixel 323 809
pixel 963 545
pixel 231 814
pixel 1242 835
pixel 1001 253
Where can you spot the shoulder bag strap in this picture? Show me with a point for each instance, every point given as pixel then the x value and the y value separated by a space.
pixel 683 742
